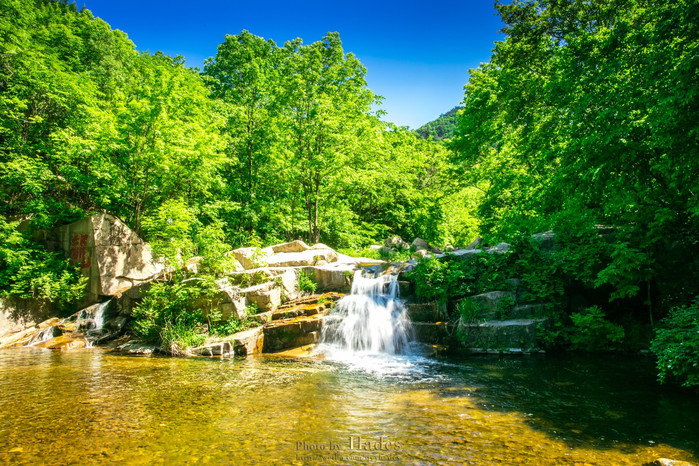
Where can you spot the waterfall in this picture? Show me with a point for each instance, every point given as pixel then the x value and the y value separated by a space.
pixel 44 335
pixel 371 319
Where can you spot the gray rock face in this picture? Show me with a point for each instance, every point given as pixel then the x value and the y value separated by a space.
pixel 500 335
pixel 110 254
pixel 427 312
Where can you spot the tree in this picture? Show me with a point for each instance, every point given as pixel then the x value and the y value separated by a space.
pixel 325 104
pixel 584 116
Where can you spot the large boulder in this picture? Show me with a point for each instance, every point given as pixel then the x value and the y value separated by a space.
pixel 109 253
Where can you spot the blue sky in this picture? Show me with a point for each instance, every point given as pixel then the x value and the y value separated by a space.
pixel 417 53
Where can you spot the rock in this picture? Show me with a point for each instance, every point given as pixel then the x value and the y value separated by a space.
pixel 427 312
pixel 249 341
pixel 449 248
pixel 231 301
pixel 285 334
pixel 20 338
pixel 493 303
pixel 137 347
pixel 669 462
pixel 64 342
pixel 305 258
pixel 475 244
pixel 420 244
pixel 294 246
pixel 465 252
pixel 48 323
pixel 530 311
pixel 265 296
pixel 439 333
pixel 251 258
pixel 375 247
pixel 127 300
pixel 218 348
pixel 110 254
pixel 421 253
pixel 396 242
pixel 546 240
pixel 405 288
pixel 499 248
pixel 290 283
pixel 17 314
pixel 499 335
pixel 332 277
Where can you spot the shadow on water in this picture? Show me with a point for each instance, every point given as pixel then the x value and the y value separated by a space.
pixel 603 402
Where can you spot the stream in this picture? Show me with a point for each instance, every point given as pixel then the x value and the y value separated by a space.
pixel 91 406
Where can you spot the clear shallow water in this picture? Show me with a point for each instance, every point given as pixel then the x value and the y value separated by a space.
pixel 93 407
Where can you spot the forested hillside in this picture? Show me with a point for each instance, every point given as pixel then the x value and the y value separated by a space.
pixel 441 128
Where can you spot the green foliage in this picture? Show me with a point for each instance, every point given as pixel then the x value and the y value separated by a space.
pixel 456 277
pixel 469 311
pixel 585 117
pixel 555 337
pixel 592 332
pixel 173 314
pixel 504 307
pixel 676 345
pixel 441 128
pixel 28 270
pixel 306 282
pixel 541 273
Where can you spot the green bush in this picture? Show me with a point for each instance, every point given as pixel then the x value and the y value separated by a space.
pixel 592 332
pixel 676 344
pixel 172 314
pixel 306 283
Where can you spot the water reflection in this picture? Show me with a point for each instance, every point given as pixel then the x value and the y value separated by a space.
pixel 89 406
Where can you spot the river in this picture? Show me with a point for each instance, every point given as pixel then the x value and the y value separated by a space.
pixel 91 406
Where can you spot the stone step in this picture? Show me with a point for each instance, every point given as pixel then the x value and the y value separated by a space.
pixel 289 333
pixel 434 333
pixel 249 341
pixel 427 312
pixel 300 310
pixel 500 335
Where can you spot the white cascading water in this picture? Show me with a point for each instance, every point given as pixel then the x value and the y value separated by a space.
pixel 89 320
pixel 371 318
pixel 370 329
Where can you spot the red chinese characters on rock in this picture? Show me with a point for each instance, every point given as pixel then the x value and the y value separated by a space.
pixel 78 251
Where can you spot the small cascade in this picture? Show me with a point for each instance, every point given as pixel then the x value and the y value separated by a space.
pixel 371 319
pixel 44 335
pixel 86 325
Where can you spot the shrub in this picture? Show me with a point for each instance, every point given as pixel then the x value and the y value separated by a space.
pixel 306 283
pixel 592 332
pixel 172 314
pixel 676 344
